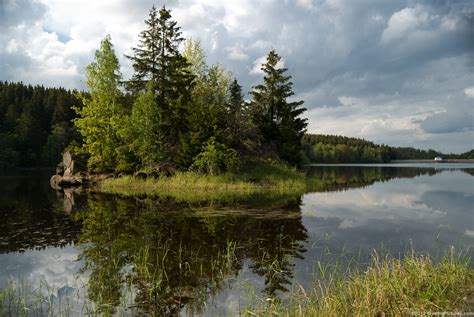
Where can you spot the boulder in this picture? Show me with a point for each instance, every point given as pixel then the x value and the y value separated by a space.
pixel 73 163
pixel 71 172
pixel 55 181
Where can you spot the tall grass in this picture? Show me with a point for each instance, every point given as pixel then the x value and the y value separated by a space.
pixel 195 186
pixel 413 285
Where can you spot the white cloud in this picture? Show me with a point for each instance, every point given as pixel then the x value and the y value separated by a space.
pixel 469 92
pixel 404 22
pixel 257 65
pixel 237 53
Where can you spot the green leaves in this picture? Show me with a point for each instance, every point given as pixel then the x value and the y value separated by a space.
pixel 99 116
pixel 215 158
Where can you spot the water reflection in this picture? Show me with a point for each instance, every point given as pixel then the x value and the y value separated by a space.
pixel 33 215
pixel 161 255
pixel 174 255
pixel 429 212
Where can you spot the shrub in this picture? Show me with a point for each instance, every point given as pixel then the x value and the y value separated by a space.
pixel 215 158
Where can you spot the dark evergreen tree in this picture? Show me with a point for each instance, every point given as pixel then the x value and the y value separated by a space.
pixel 157 57
pixel 235 111
pixel 278 120
pixel 160 67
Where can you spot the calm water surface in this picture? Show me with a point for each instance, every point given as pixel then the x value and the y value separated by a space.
pixel 164 256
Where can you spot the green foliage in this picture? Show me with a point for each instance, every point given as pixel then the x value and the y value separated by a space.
pixel 208 106
pixel 191 186
pixel 101 113
pixel 29 121
pixel 56 142
pixel 146 135
pixel 163 82
pixel 9 157
pixel 277 119
pixel 216 158
pixel 469 155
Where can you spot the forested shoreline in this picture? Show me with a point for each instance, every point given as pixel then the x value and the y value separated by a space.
pixel 323 148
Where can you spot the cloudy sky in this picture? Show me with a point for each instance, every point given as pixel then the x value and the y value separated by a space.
pixel 399 72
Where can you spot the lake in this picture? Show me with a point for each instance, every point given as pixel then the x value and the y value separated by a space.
pixel 83 251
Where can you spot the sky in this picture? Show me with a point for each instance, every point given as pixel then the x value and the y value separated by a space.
pixel 397 72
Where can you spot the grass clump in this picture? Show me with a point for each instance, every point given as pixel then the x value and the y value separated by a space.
pixel 414 285
pixel 193 185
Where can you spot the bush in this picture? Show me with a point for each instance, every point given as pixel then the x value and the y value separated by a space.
pixel 215 158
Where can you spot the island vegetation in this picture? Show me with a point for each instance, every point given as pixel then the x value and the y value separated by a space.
pixel 179 114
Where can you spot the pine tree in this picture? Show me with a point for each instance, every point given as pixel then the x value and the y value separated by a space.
pixel 99 117
pixel 157 57
pixel 160 66
pixel 278 120
pixel 235 110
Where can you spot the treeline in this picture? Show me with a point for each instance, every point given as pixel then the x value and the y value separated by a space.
pixel 35 124
pixel 340 149
pixel 179 113
pixel 322 148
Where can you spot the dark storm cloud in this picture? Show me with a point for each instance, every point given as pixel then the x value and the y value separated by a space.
pixel 460 120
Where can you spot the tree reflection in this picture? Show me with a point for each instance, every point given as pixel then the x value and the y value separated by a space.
pixel 338 178
pixel 175 254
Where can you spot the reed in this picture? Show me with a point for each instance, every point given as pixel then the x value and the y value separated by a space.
pixel 194 186
pixel 415 284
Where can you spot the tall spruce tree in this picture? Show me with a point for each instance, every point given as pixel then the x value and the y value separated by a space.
pixel 162 73
pixel 278 120
pixel 99 118
pixel 235 110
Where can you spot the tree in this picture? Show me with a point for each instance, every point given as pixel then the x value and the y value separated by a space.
pixel 209 98
pixel 157 57
pixel 235 110
pixel 146 137
pixel 99 117
pixel 160 67
pixel 278 120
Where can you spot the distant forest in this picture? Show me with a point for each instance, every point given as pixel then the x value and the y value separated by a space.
pixel 341 149
pixel 35 124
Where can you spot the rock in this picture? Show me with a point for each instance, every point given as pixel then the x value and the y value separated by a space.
pixel 55 181
pixel 73 163
pixel 68 181
pixel 68 202
pixel 60 168
pixel 67 159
